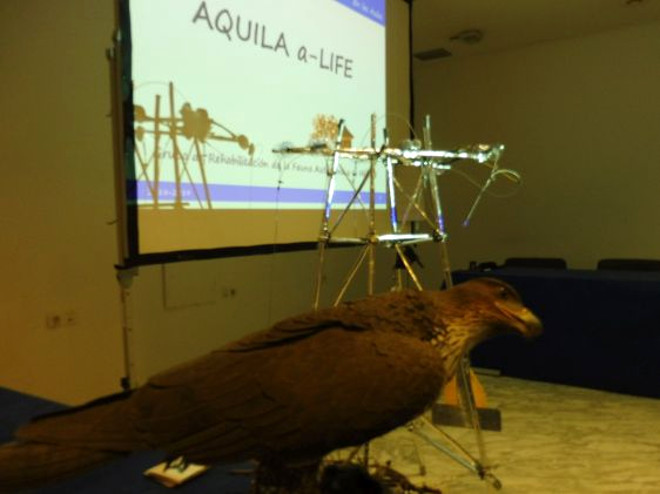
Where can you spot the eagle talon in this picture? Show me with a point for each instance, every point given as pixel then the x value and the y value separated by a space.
pixel 392 478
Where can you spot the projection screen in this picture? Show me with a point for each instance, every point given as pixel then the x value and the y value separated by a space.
pixel 216 87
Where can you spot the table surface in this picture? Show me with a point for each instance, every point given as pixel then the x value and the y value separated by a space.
pixel 120 476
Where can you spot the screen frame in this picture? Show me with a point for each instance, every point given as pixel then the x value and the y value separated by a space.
pixel 127 203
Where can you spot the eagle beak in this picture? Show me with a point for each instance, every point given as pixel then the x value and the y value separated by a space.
pixel 522 319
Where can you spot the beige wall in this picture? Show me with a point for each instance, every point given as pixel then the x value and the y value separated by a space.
pixel 185 309
pixel 59 243
pixel 581 122
pixel 57 200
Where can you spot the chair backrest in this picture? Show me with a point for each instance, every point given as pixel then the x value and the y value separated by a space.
pixel 629 264
pixel 535 262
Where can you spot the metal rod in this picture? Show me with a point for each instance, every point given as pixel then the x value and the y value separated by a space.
pixel 391 191
pixel 319 274
pixel 414 199
pixel 463 372
pixel 372 210
pixel 324 236
pixel 399 280
pixel 352 274
pixel 349 179
pixel 335 165
pixel 356 194
pixel 427 132
pixel 438 159
pixel 409 268
pixel 432 182
pixel 454 450
pixel 470 465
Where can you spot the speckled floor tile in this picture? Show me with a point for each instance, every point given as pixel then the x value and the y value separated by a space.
pixel 554 439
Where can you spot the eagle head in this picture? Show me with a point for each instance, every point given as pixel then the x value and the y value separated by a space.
pixel 488 307
pixel 477 310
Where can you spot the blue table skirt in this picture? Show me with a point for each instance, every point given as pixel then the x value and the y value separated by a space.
pixel 120 476
pixel 602 329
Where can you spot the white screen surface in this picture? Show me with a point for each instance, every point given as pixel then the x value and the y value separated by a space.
pixel 217 85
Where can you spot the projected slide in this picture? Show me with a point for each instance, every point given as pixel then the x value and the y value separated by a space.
pixel 219 84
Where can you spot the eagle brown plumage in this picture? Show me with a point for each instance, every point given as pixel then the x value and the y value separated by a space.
pixel 289 395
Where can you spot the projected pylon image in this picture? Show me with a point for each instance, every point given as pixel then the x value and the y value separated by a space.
pixel 171 154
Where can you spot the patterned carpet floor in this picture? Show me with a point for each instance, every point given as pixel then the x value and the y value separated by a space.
pixel 554 439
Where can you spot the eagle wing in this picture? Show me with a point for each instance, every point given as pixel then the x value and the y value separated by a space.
pixel 410 311
pixel 310 384
pixel 296 401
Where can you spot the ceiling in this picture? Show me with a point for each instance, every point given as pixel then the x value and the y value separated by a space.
pixel 508 24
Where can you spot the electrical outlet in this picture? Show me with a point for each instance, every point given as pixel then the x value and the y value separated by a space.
pixel 70 318
pixel 228 292
pixel 53 321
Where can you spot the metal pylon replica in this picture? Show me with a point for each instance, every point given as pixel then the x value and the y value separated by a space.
pixel 430 163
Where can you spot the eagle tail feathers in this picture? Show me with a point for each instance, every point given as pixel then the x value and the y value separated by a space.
pixel 26 465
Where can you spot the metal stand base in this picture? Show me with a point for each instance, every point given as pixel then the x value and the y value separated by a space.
pixel 490 419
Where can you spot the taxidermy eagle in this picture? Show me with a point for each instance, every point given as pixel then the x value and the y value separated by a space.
pixel 285 396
